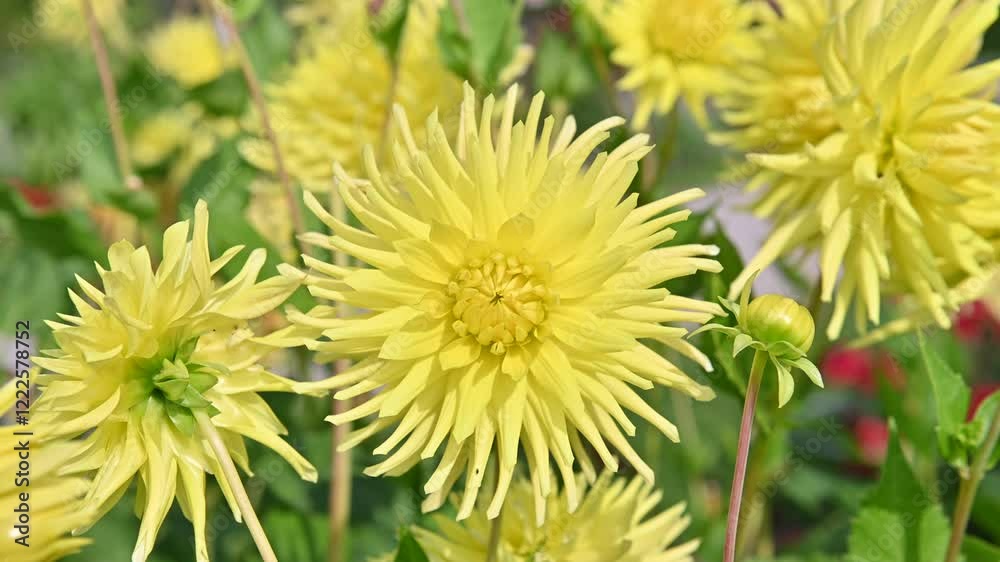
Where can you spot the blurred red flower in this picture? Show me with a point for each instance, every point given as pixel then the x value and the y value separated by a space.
pixel 40 199
pixel 858 368
pixel 981 392
pixel 872 437
pixel 975 321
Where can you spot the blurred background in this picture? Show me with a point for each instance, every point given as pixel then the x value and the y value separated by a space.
pixel 63 200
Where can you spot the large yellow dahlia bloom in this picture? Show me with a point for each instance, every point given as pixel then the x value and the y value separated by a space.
pixel 146 354
pixel 508 288
pixel 612 524
pixel 674 48
pixel 902 196
pixel 188 49
pixel 53 505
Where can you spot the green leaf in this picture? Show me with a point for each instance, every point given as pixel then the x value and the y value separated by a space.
pixel 409 549
pixel 480 52
pixel 981 422
pixel 877 535
pixel 289 535
pixel 978 550
pixel 951 395
pixel 243 10
pixel 562 70
pixel 388 25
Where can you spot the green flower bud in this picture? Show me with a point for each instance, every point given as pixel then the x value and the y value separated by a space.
pixel 774 318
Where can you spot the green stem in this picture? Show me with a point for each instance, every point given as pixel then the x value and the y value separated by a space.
pixel 210 433
pixel 743 452
pixel 968 488
pixel 493 549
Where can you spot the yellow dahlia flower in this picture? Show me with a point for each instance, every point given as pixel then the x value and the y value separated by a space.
pixel 903 195
pixel 612 524
pixel 317 125
pixel 63 20
pixel 147 354
pixel 54 508
pixel 509 287
pixel 188 49
pixel 776 99
pixel 54 502
pixel 674 48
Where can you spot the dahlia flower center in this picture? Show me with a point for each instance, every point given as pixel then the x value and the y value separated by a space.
pixel 686 29
pixel 498 300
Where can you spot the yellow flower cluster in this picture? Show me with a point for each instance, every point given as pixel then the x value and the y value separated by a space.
pixel 893 179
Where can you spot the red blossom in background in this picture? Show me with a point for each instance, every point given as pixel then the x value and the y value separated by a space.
pixel 981 392
pixel 858 368
pixel 40 199
pixel 872 437
pixel 975 321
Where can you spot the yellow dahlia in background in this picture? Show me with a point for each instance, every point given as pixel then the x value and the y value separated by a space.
pixel 188 49
pixel 183 136
pixel 507 290
pixel 318 125
pixel 148 354
pixel 776 99
pixel 55 503
pixel 902 197
pixel 674 48
pixel 55 507
pixel 616 522
pixel 63 20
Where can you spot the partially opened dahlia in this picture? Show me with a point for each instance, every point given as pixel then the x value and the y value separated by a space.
pixel 507 288
pixel 144 357
pixel 901 197
pixel 618 521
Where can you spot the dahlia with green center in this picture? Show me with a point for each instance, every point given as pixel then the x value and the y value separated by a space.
pixel 901 197
pixel 618 521
pixel 674 48
pixel 148 355
pixel 508 290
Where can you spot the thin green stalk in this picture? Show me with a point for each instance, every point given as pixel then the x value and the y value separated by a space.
pixel 257 97
pixel 340 473
pixel 743 453
pixel 493 548
pixel 968 488
pixel 111 102
pixel 211 434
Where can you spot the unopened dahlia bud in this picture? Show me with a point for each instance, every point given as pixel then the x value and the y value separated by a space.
pixel 774 318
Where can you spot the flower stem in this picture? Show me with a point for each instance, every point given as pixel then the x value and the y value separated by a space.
pixel 111 102
pixel 210 433
pixel 743 452
pixel 257 96
pixel 968 488
pixel 493 548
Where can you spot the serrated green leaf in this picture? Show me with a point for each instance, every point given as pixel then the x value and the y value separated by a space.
pixel 877 535
pixel 951 396
pixel 983 418
pixel 480 52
